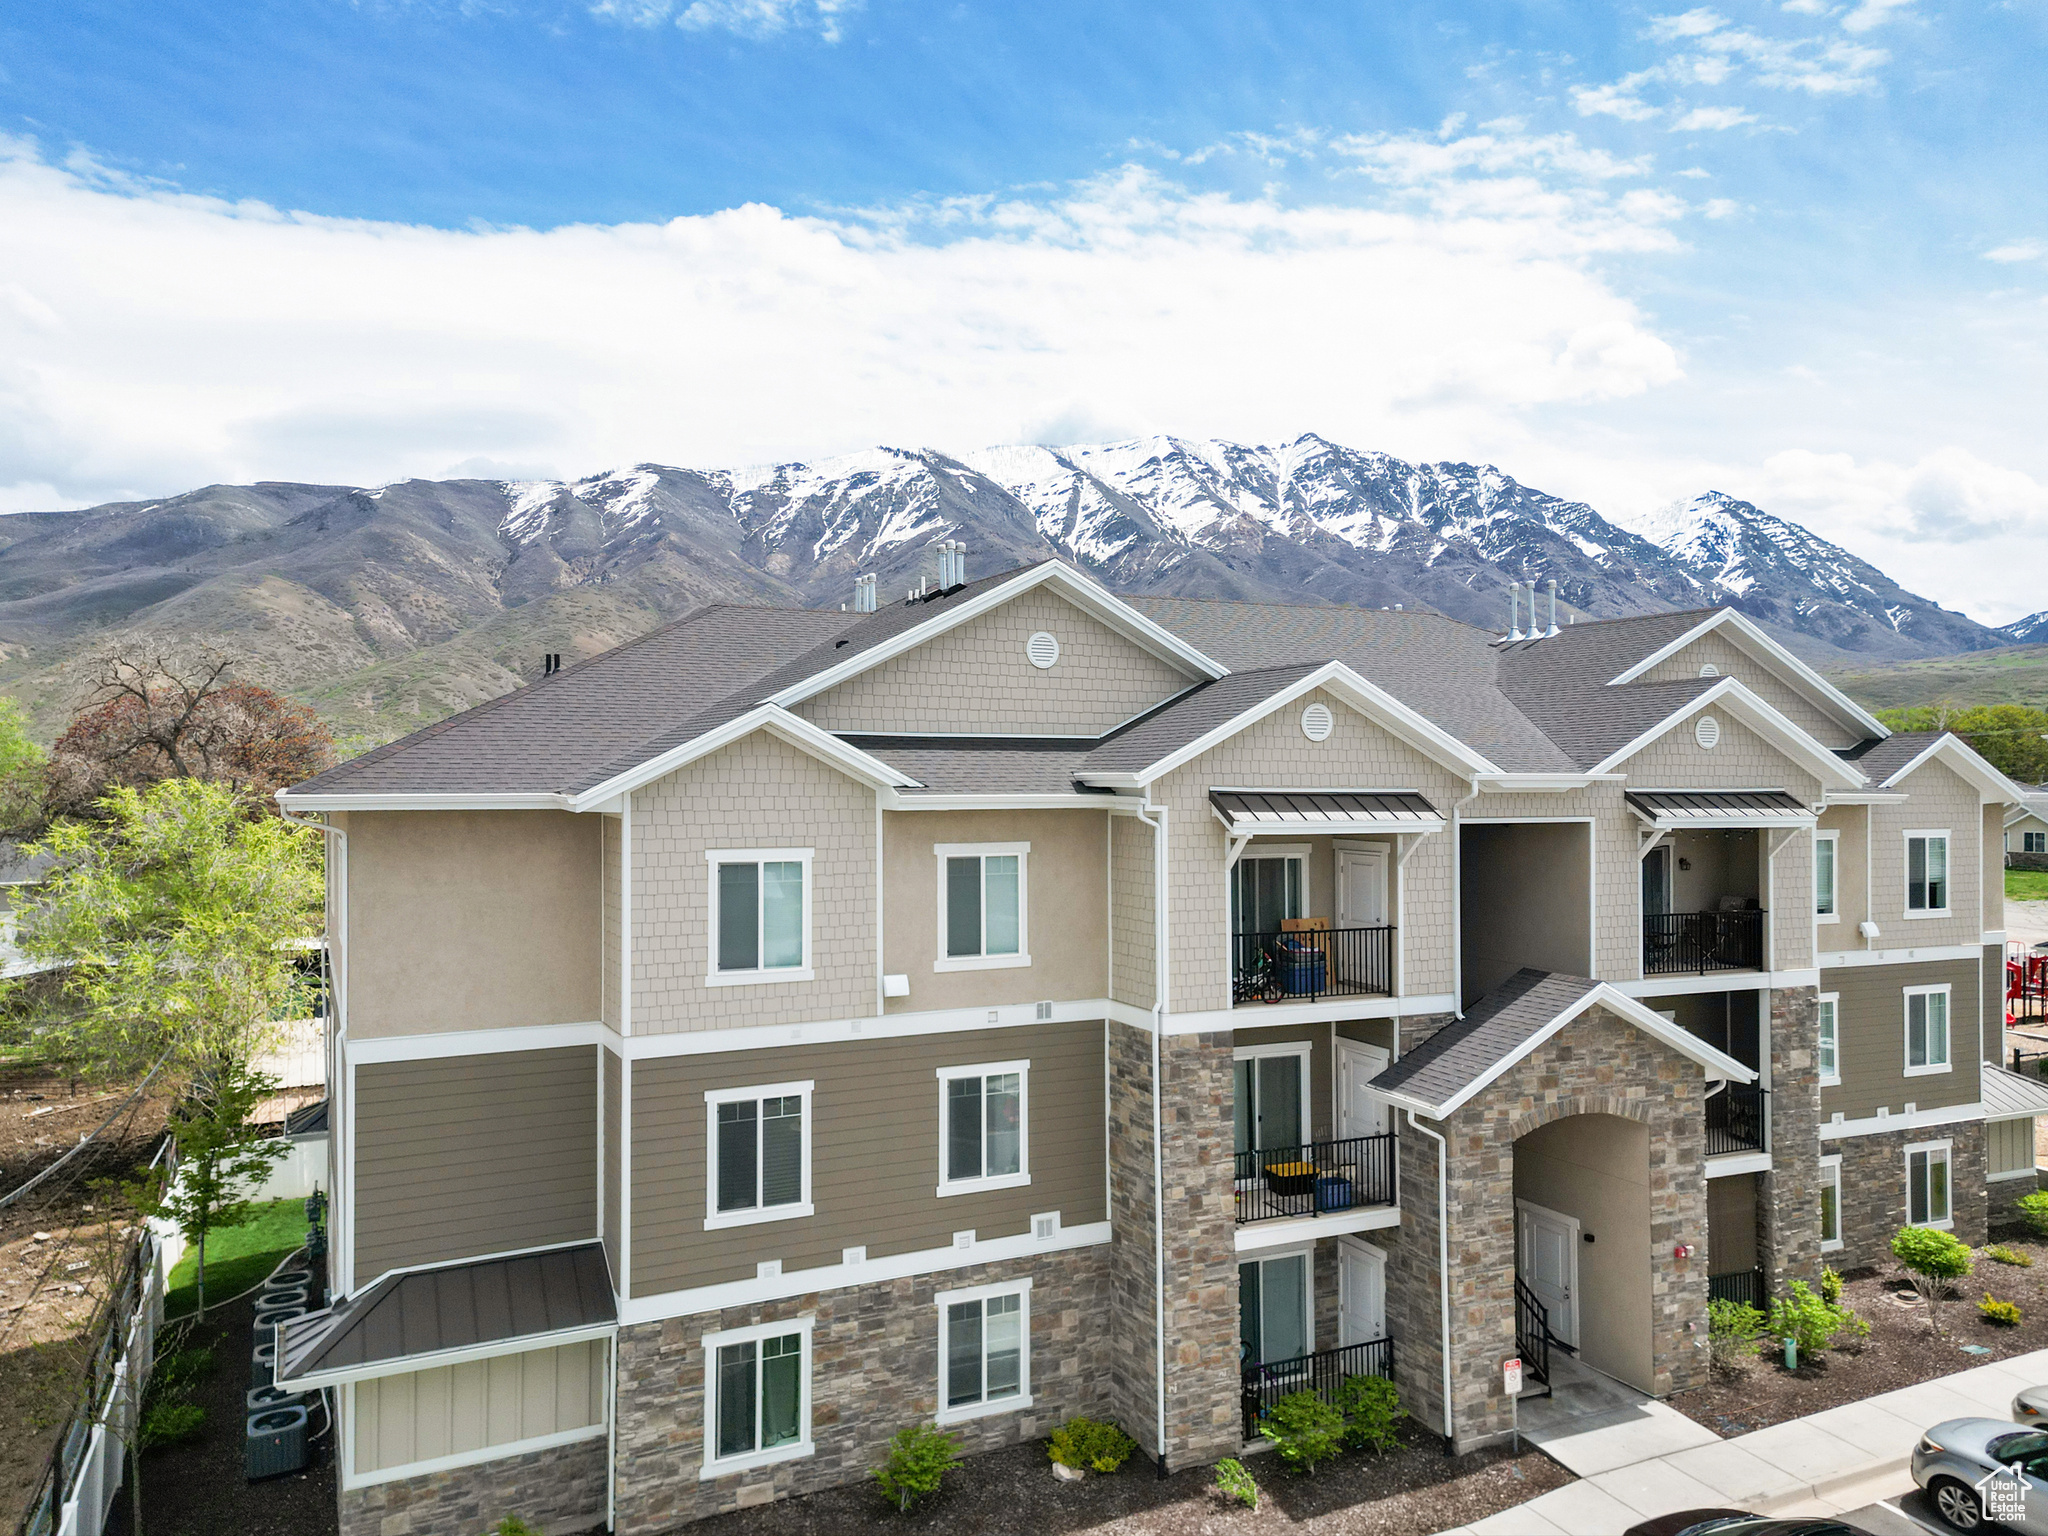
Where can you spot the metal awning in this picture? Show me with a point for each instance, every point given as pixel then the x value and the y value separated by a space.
pixel 1248 812
pixel 416 1319
pixel 1719 808
pixel 2010 1096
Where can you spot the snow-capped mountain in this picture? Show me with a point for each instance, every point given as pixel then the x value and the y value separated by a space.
pixel 2032 630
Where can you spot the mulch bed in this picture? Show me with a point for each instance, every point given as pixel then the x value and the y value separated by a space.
pixel 1409 1492
pixel 1900 1351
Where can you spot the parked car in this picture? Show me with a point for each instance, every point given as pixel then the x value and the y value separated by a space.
pixel 1737 1522
pixel 1983 1474
pixel 2031 1406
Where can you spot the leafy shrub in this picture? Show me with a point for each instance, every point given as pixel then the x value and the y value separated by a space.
pixel 1091 1445
pixel 176 1372
pixel 1830 1286
pixel 1732 1331
pixel 1304 1429
pixel 1810 1322
pixel 171 1423
pixel 2004 1313
pixel 512 1525
pixel 2033 1211
pixel 1934 1259
pixel 2001 1254
pixel 920 1456
pixel 1234 1480
pixel 1371 1406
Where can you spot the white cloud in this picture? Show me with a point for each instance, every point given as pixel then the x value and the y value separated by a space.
pixel 2018 250
pixel 1616 100
pixel 749 18
pixel 1872 13
pixel 1712 119
pixel 151 341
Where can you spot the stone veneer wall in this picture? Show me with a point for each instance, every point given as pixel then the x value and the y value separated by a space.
pixel 1874 1189
pixel 557 1491
pixel 874 1370
pixel 1204 1414
pixel 1414 1316
pixel 1788 1197
pixel 1131 1348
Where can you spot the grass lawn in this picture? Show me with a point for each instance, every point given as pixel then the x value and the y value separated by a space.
pixel 238 1257
pixel 2026 885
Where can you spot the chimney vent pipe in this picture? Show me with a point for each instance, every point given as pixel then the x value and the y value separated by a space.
pixel 1551 585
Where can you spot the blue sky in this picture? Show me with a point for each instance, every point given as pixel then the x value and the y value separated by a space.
pixel 1797 252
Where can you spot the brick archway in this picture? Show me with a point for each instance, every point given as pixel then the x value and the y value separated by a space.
pixel 1581 1104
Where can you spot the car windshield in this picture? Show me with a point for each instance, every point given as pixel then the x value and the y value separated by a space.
pixel 2024 1446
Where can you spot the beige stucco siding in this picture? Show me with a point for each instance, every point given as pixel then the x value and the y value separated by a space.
pixel 1741 759
pixel 1871 1025
pixel 1066 908
pixel 1133 943
pixel 611 887
pixel 1939 801
pixel 1731 661
pixel 423 1415
pixel 460 1156
pixel 471 920
pixel 874 1151
pixel 756 793
pixel 1852 875
pixel 613 1132
pixel 1274 754
pixel 1617 876
pixel 1991 867
pixel 976 678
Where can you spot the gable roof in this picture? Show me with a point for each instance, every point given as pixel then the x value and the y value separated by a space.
pixel 1890 761
pixel 1746 636
pixel 1732 697
pixel 1458 1062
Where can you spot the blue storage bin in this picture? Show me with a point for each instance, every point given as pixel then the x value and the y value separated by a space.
pixel 1300 967
pixel 1333 1193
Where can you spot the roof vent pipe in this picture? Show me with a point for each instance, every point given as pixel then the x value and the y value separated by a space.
pixel 864 594
pixel 1514 611
pixel 1551 586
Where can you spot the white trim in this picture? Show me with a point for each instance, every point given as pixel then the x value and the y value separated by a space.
pixel 1781 733
pixel 1269 1015
pixel 477 1042
pixel 714 1218
pixel 1726 1163
pixel 716 1466
pixel 2012 1173
pixel 1907 910
pixel 827 1277
pixel 1990 783
pixel 760 975
pixel 1832 836
pixel 1849 959
pixel 899 800
pixel 352 1479
pixel 1307 1254
pixel 1947 1150
pixel 1833 1002
pixel 1719 981
pixel 793 729
pixel 434 1359
pixel 1947 1062
pixel 985 1182
pixel 986 1408
pixel 983 961
pixel 1839 1129
pixel 1833 1163
pixel 1760 647
pixel 1257 1236
pixel 1542 784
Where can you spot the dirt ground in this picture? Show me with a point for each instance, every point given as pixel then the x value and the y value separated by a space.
pixel 58 1247
pixel 1901 1349
pixel 1409 1492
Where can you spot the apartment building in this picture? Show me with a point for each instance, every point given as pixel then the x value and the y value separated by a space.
pixel 1019 1001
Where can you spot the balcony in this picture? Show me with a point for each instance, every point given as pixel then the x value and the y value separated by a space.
pixel 1316 1178
pixel 1695 943
pixel 1309 964
pixel 1738 1120
pixel 1321 1373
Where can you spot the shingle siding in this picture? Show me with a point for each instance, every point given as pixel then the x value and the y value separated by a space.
pixel 1732 661
pixel 1939 800
pixel 1617 876
pixel 1133 946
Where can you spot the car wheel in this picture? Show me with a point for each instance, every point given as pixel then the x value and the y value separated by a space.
pixel 1957 1504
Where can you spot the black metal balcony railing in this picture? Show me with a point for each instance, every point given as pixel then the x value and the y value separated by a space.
pixel 1315 1178
pixel 1744 1285
pixel 1739 1120
pixel 1316 963
pixel 1694 943
pixel 1321 1373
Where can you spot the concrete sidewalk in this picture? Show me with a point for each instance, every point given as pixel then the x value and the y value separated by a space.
pixel 1822 1464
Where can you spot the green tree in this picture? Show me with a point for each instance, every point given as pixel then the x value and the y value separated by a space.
pixel 21 771
pixel 2010 737
pixel 1935 1260
pixel 222 1159
pixel 170 919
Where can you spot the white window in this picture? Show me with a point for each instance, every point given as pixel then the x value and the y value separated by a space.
pixel 1926 1030
pixel 2034 842
pixel 760 915
pixel 1828 1048
pixel 984 1121
pixel 1926 874
pixel 757 1390
pixel 984 894
pixel 984 1350
pixel 760 1154
pixel 1275 1313
pixel 1824 845
pixel 1830 1203
pixel 1927 1196
pixel 1267 888
pixel 1272 1099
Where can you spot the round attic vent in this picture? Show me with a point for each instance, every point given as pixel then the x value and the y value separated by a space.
pixel 1707 732
pixel 1708 669
pixel 1317 722
pixel 1042 650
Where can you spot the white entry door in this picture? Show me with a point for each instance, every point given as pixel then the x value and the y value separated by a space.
pixel 1547 1259
pixel 1361 887
pixel 1361 1293
pixel 1359 1111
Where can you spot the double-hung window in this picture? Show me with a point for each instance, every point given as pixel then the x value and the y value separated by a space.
pixel 760 915
pixel 1926 1030
pixel 760 1141
pixel 984 1127
pixel 1824 848
pixel 1828 1041
pixel 984 1350
pixel 984 893
pixel 1830 1203
pixel 1926 873
pixel 758 1390
pixel 1927 1191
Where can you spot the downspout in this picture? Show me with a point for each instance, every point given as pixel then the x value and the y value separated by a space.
pixel 1457 907
pixel 1160 1008
pixel 1443 1260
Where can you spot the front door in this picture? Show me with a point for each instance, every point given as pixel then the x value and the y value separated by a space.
pixel 1547 1260
pixel 1361 887
pixel 1360 1112
pixel 1361 1293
